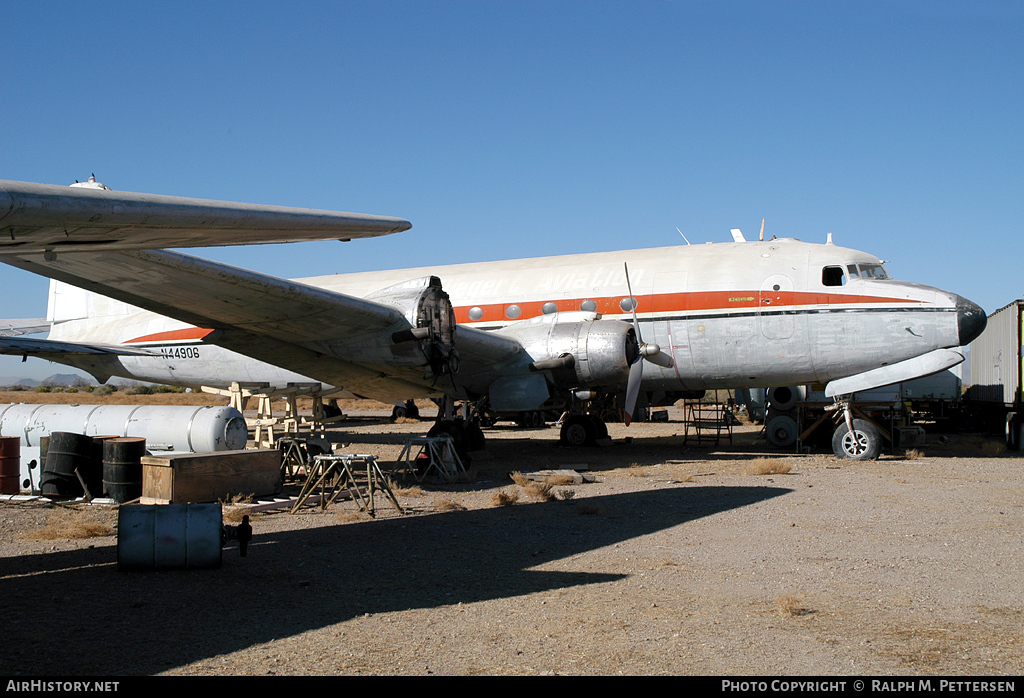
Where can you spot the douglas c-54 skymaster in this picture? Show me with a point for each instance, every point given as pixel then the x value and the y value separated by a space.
pixel 575 331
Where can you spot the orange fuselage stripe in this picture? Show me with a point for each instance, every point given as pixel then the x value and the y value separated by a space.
pixel 679 302
pixel 189 333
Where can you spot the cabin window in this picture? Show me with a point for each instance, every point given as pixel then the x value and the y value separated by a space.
pixel 832 276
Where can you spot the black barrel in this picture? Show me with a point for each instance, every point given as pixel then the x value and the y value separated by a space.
pixel 122 467
pixel 66 454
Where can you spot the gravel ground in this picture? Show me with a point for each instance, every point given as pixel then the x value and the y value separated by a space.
pixel 674 561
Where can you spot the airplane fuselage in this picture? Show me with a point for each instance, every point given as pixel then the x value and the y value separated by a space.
pixel 744 314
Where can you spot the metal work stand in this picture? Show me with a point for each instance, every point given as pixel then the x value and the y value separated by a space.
pixel 340 471
pixel 440 454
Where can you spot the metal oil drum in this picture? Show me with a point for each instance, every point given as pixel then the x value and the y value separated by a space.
pixel 122 467
pixel 169 536
pixel 10 464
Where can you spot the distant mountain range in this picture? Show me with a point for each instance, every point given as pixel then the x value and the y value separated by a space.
pixel 61 379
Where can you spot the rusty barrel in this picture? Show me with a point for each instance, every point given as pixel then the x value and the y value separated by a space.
pixel 66 454
pixel 122 467
pixel 10 464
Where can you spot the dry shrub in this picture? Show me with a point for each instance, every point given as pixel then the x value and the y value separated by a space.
pixel 504 498
pixel 448 505
pixel 348 516
pixel 405 490
pixel 232 511
pixel 565 495
pixel 767 466
pixel 788 605
pixel 538 490
pixel 68 524
pixel 913 454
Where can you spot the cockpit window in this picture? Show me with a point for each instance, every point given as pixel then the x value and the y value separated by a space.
pixel 832 276
pixel 852 268
pixel 872 271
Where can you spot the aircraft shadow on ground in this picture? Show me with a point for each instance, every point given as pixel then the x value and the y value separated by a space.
pixel 140 623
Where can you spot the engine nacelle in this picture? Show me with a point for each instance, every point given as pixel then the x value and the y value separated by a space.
pixel 431 318
pixel 579 350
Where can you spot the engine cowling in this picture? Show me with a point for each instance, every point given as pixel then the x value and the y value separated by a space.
pixel 431 317
pixel 579 350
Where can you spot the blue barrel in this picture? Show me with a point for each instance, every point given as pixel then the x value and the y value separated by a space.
pixel 169 536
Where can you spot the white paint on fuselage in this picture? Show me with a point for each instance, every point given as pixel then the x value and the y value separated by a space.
pixel 715 308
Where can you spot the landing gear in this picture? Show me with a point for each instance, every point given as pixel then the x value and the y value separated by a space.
pixel 861 442
pixel 582 430
pixel 408 410
pixel 467 437
pixel 530 420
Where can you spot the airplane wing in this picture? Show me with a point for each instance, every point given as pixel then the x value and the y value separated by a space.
pixel 352 343
pixel 41 217
pixel 46 347
pixel 13 328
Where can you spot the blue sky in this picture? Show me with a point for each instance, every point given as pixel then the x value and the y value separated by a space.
pixel 515 129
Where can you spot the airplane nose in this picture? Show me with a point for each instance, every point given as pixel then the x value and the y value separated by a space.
pixel 971 320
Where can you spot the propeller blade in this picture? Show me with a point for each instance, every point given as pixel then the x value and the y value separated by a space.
pixel 632 299
pixel 652 352
pixel 636 374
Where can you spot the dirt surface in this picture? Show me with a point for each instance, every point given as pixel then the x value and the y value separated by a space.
pixel 674 561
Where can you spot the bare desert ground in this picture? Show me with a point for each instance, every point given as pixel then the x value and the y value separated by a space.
pixel 678 559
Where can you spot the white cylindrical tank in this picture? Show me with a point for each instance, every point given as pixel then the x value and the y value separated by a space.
pixel 165 428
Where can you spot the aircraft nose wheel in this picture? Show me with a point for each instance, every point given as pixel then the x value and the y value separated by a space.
pixel 863 443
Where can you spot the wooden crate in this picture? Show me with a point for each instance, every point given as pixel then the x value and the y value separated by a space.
pixel 210 477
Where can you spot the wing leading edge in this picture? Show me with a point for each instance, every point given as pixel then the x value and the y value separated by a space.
pixel 41 217
pixel 340 340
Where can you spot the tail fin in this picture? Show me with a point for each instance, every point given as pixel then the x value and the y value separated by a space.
pixel 67 302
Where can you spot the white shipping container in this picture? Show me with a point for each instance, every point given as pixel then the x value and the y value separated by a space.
pixel 996 357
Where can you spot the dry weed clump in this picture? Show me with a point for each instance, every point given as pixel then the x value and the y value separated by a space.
pixel 767 466
pixel 69 524
pixel 789 606
pixel 404 490
pixel 542 490
pixel 913 454
pixel 504 498
pixel 448 505
pixel 231 508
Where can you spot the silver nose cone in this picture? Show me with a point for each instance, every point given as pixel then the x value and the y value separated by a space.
pixel 971 320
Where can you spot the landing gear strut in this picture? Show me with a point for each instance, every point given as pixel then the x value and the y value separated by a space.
pixel 856 439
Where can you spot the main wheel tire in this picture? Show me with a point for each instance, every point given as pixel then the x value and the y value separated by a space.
pixel 863 443
pixel 780 431
pixel 578 430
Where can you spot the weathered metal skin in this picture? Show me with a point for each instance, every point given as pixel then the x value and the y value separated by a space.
pixel 741 314
pixel 40 217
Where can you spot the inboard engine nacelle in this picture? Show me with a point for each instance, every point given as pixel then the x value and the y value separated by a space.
pixel 579 350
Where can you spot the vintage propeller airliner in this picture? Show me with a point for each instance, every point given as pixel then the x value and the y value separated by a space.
pixel 574 332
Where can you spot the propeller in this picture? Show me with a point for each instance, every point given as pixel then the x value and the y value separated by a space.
pixel 649 352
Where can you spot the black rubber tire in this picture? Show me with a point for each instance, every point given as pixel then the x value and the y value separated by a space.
pixel 780 431
pixel 865 443
pixel 578 430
